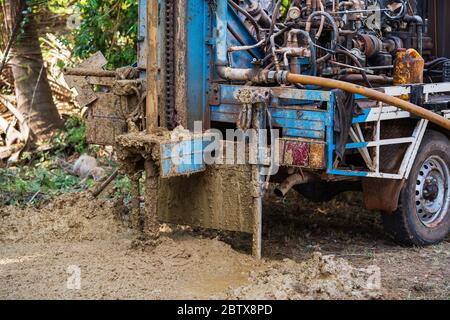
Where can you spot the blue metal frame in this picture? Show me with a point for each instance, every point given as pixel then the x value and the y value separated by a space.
pixel 291 108
pixel 198 51
pixel 288 108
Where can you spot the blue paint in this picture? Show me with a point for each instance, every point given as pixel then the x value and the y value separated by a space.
pixel 207 41
pixel 362 117
pixel 298 133
pixel 299 124
pixel 349 173
pixel 228 94
pixel 221 32
pixel 330 133
pixel 224 117
pixel 183 157
pixel 187 168
pixel 142 34
pixel 300 114
pixel 184 147
pixel 197 57
pixel 285 113
pixel 357 145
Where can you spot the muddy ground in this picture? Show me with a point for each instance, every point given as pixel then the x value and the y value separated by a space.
pixel 330 251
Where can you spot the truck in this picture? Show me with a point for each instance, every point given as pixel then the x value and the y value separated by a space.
pixel 231 99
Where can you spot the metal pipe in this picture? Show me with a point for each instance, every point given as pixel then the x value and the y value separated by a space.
pixel 245 48
pixel 152 44
pixel 275 13
pixel 260 16
pixel 241 41
pixel 249 17
pixel 252 75
pixel 322 21
pixel 357 63
pixel 340 64
pixel 311 46
pixel 419 26
pixel 221 58
pixel 83 72
pixel 372 78
pixel 293 180
pixel 371 94
pixel 333 24
pixel 221 32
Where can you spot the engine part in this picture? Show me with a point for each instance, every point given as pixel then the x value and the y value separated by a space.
pixel 446 72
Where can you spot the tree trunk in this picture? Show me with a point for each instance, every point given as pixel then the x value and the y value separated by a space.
pixel 34 96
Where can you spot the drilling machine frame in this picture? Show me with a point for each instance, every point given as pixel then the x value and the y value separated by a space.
pixel 336 122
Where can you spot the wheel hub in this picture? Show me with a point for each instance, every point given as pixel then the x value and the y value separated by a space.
pixel 432 191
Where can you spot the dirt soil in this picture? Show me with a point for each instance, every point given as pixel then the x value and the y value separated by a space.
pixel 329 251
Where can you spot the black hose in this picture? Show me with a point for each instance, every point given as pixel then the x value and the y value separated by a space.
pixel 249 17
pixel 275 13
pixel 334 41
pixel 437 64
pixel 400 15
pixel 429 64
pixel 357 63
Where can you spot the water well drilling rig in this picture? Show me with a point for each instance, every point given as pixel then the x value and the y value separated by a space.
pixel 349 95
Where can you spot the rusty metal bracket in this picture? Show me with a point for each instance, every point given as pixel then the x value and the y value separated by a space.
pixel 214 95
pixel 252 96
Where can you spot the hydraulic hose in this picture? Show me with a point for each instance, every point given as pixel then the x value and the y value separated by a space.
pixel 249 17
pixel 334 39
pixel 372 94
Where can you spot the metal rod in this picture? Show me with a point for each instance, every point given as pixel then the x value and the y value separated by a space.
pixel 84 72
pixel 151 114
pixel 151 224
pixel 351 67
pixel 96 192
pixel 362 11
pixel 258 184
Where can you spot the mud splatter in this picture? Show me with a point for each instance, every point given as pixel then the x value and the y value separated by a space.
pixel 71 217
pixel 320 277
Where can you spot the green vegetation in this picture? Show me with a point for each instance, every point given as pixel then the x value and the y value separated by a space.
pixel 109 26
pixel 45 173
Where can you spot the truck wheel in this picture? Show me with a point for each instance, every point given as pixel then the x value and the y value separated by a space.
pixel 423 216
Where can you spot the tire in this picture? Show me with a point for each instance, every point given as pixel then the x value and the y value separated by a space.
pixel 423 216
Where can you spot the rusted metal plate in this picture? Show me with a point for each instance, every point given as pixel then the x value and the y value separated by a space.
pixel 295 153
pixel 317 156
pixel 220 198
pixel 302 153
pixel 96 61
pixel 104 131
pixel 382 194
pixel 86 94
